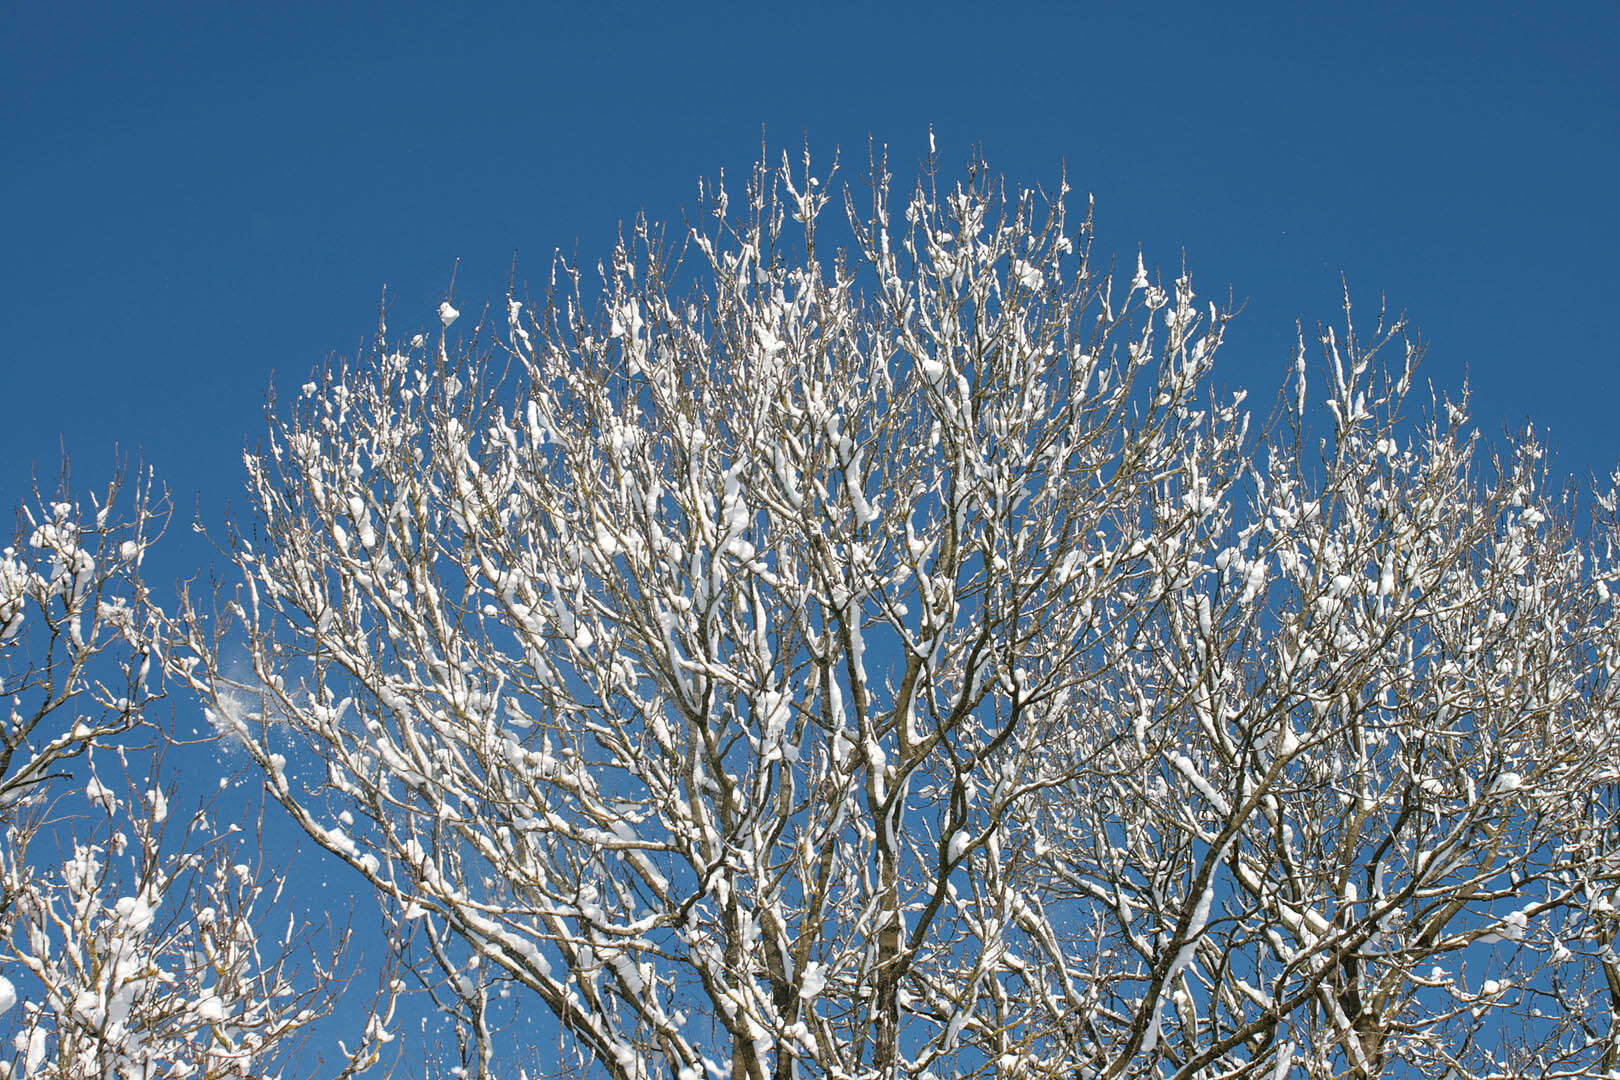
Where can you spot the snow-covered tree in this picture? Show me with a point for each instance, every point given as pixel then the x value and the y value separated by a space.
pixel 897 658
pixel 81 637
pixel 134 943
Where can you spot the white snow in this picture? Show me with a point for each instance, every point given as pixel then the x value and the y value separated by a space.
pixel 33 1045
pixel 100 795
pixel 1186 767
pixel 1514 926
pixel 813 980
pixel 1508 781
pixel 1285 1061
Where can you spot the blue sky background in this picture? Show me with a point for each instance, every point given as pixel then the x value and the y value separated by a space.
pixel 201 202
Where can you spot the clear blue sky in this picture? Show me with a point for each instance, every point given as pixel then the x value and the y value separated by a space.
pixel 206 200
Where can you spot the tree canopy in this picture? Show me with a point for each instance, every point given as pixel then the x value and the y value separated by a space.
pixel 895 655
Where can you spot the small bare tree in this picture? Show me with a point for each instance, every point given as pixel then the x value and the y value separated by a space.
pixel 127 950
pixel 901 662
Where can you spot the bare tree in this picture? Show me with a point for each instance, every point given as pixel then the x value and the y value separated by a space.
pixel 127 950
pixel 902 661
